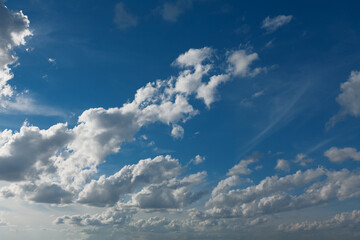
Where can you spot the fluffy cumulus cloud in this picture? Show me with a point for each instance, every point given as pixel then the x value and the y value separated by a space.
pixel 242 167
pixel 67 158
pixel 30 152
pixel 240 62
pixel 349 220
pixel 342 154
pixel 273 194
pixel 283 165
pixel 272 24
pixel 177 131
pixel 198 159
pixel 14 28
pixel 349 99
pixel 157 180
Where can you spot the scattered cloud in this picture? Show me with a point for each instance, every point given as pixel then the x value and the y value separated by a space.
pixel 177 131
pixel 283 165
pixel 272 195
pixel 302 159
pixel 258 94
pixel 240 62
pixel 272 24
pixel 338 155
pixel 349 220
pixel 52 61
pixel 242 167
pixel 349 99
pixel 171 11
pixel 14 29
pixel 123 18
pixel 197 160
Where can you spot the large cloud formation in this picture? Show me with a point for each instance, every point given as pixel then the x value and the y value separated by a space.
pixel 64 160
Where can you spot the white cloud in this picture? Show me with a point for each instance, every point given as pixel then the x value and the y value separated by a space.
pixel 282 165
pixel 225 185
pixel 198 159
pixel 342 154
pixel 14 28
pixel 349 99
pixel 272 194
pixel 99 132
pixel 123 18
pixel 177 131
pixel 157 180
pixel 28 153
pixel 242 167
pixel 52 60
pixel 350 220
pixel 302 159
pixel 272 24
pixel 207 92
pixel 174 193
pixel 240 62
pixel 193 57
pixel 108 191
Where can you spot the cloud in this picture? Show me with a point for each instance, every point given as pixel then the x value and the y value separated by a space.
pixel 67 159
pixel 302 160
pixel 155 224
pixel 350 220
pixel 52 61
pixel 282 165
pixel 226 184
pixel 208 91
pixel 349 99
pixel 170 11
pixel 197 160
pixel 174 193
pixel 342 154
pixel 157 180
pixel 242 167
pixel 272 24
pixel 108 191
pixel 123 18
pixel 177 131
pixel 28 153
pixel 258 94
pixel 240 62
pixel 194 57
pixel 272 194
pixel 112 216
pixel 14 28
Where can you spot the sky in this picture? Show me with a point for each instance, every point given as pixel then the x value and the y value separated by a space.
pixel 184 119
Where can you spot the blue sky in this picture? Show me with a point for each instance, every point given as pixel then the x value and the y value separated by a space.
pixel 184 119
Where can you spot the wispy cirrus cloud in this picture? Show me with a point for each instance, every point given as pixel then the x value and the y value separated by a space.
pixel 273 24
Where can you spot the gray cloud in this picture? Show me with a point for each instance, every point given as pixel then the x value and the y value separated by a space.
pixel 123 18
pixel 342 154
pixel 170 11
pixel 349 220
